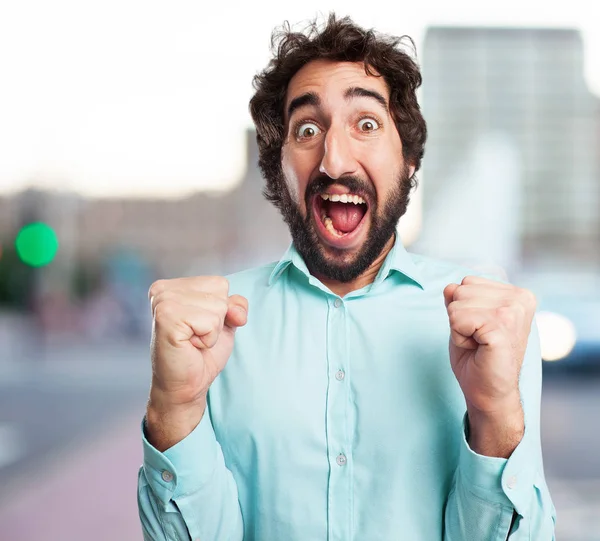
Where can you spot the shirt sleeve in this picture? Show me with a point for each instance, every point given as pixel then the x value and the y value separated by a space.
pixel 488 491
pixel 187 492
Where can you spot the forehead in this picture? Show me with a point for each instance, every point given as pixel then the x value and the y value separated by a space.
pixel 328 78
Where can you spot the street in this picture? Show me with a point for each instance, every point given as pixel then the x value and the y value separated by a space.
pixel 70 448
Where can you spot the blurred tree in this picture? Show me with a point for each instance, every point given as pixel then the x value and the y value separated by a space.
pixel 16 280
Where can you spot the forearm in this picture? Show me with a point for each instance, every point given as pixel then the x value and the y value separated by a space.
pixel 499 475
pixel 167 424
pixel 497 433
pixel 186 491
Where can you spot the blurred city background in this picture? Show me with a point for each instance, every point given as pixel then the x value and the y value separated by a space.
pixel 127 154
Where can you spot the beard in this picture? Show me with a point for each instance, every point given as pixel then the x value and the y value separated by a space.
pixel 334 263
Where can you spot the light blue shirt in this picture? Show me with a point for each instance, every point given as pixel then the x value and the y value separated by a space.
pixel 340 419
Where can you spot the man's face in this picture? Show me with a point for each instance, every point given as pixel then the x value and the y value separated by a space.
pixel 343 168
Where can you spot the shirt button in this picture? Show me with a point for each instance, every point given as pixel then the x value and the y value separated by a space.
pixel 167 476
pixel 511 482
pixel 337 303
pixel 340 375
pixel 341 459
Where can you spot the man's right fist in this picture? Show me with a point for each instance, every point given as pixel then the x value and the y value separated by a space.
pixel 194 321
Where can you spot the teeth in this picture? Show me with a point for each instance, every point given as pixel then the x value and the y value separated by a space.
pixel 329 226
pixel 344 198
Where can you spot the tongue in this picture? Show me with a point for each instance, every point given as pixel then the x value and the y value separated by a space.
pixel 345 217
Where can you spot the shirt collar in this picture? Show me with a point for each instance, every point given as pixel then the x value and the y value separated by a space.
pixel 398 259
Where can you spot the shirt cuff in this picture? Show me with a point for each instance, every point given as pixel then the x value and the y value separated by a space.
pixel 184 468
pixel 500 480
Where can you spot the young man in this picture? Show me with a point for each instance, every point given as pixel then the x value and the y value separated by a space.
pixel 351 390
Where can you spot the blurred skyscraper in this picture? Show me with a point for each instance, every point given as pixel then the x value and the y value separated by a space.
pixel 512 164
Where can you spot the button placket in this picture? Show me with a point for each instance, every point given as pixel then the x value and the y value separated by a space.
pixel 338 420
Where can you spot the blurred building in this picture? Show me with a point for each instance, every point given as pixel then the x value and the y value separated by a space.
pixel 203 233
pixel 6 215
pixel 512 164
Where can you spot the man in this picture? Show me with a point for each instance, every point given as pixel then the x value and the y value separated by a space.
pixel 350 390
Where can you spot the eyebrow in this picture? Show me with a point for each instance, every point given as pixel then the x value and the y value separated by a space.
pixel 360 92
pixel 311 98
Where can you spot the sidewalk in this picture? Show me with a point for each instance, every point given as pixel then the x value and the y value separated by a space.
pixel 88 490
pixel 89 493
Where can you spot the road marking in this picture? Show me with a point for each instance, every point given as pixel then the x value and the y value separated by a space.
pixel 12 446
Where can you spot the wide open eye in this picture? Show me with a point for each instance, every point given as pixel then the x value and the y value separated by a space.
pixel 368 124
pixel 307 130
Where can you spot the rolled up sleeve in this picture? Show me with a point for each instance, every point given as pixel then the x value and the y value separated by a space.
pixel 187 491
pixel 488 491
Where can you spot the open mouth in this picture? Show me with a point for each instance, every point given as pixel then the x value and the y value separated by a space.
pixel 340 215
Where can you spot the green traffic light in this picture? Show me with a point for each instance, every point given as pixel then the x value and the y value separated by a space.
pixel 36 244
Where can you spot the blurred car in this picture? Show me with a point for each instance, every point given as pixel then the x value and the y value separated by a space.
pixel 568 319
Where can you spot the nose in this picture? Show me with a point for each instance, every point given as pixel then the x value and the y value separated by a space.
pixel 338 159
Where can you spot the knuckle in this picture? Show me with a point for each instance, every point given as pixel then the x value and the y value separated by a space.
pixel 157 287
pixel 222 283
pixel 460 293
pixel 155 301
pixel 164 310
pixel 468 280
pixel 525 298
pixel 454 317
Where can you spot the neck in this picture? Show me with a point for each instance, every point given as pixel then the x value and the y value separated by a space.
pixel 366 278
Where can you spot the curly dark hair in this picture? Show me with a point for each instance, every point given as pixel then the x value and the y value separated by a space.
pixel 340 40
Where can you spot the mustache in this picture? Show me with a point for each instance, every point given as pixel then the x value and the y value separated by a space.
pixel 356 186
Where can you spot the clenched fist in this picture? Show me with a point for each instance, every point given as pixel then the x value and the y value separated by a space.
pixel 194 323
pixel 490 324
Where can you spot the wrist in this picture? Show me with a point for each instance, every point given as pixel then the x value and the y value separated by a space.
pixel 174 401
pixel 496 432
pixel 168 423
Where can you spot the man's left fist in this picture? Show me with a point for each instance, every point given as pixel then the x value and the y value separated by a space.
pixel 490 324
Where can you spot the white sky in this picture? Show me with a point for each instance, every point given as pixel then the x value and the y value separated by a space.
pixel 132 97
